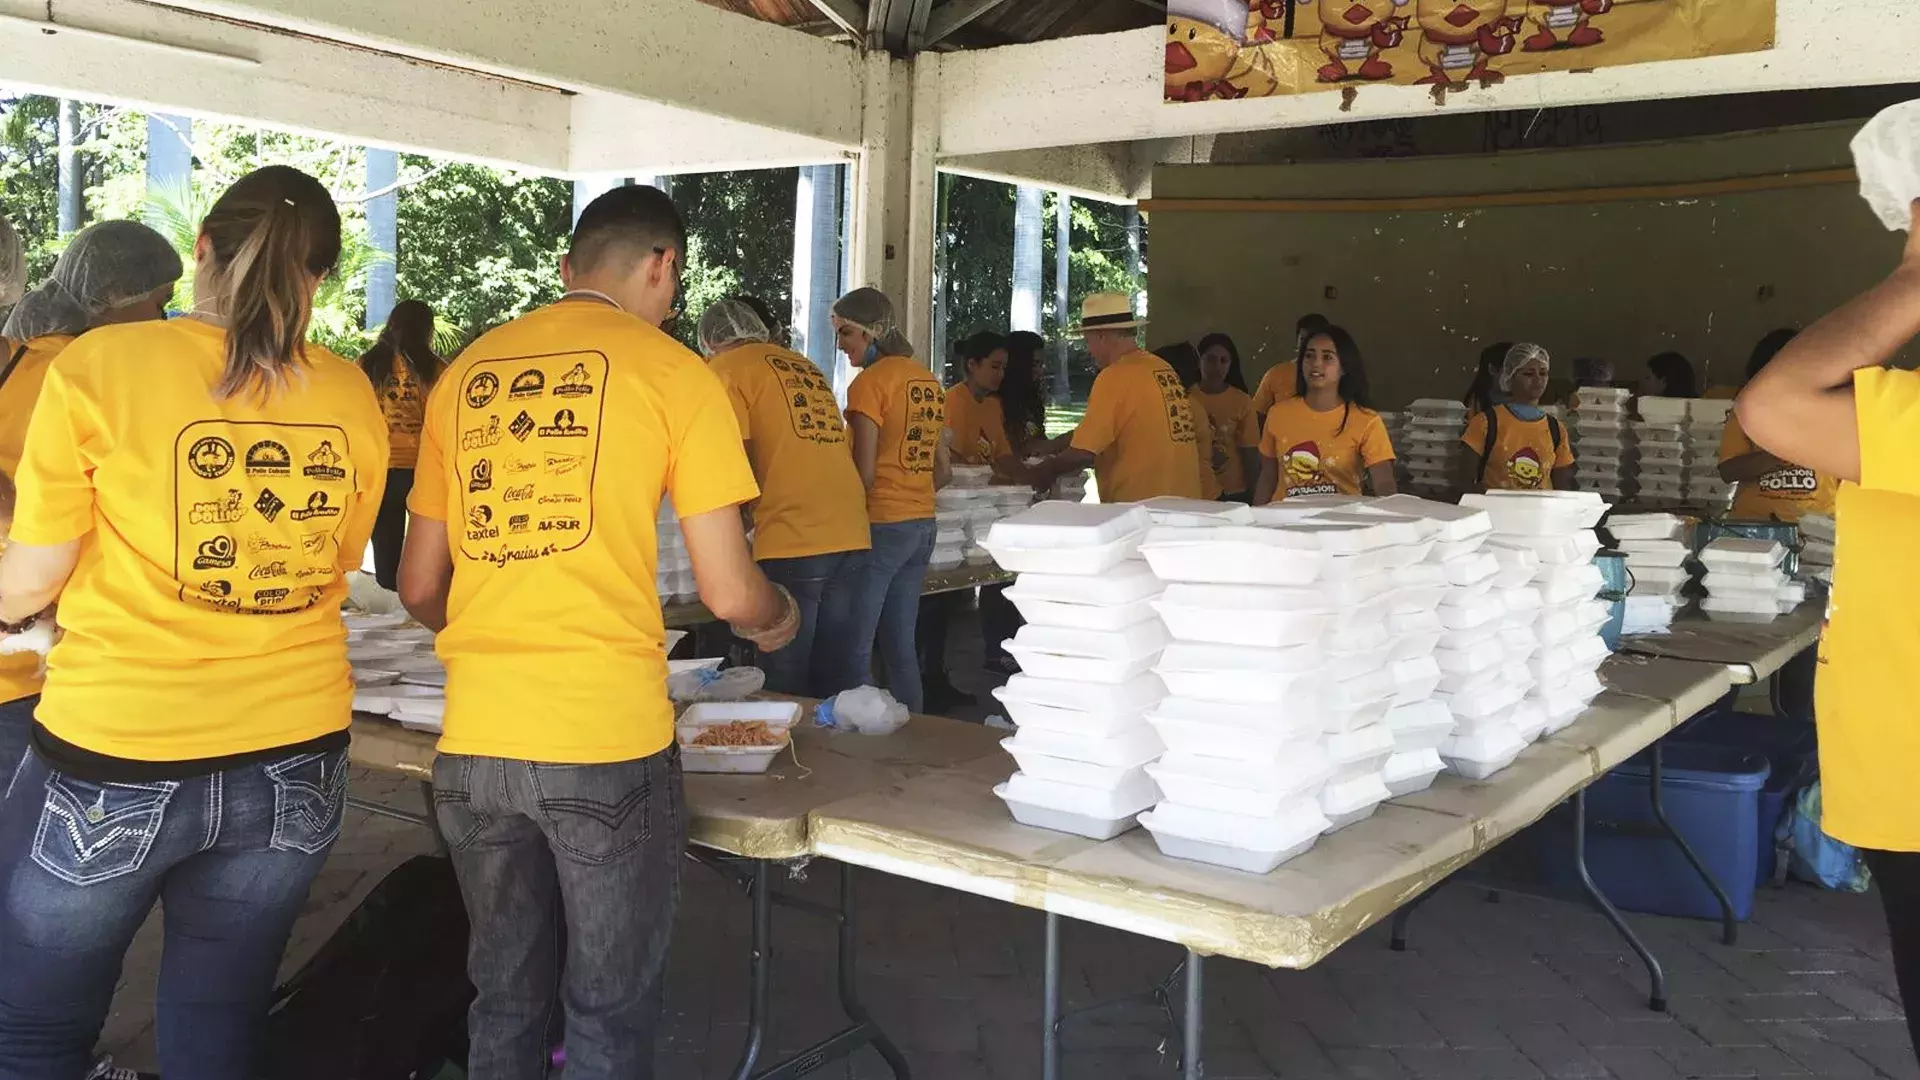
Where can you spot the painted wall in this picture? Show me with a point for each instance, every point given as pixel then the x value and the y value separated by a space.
pixel 1423 291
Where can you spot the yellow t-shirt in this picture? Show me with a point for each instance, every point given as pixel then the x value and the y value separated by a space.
pixel 1323 453
pixel 20 673
pixel 979 427
pixel 1203 445
pixel 811 500
pixel 1139 428
pixel 1784 493
pixel 403 401
pixel 1235 428
pixel 203 618
pixel 1280 383
pixel 548 447
pixel 1524 456
pixel 1865 691
pixel 905 401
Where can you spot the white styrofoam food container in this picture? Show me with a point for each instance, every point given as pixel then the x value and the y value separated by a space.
pixel 1483 752
pixel 1233 556
pixel 1237 842
pixel 1068 525
pixel 1413 771
pixel 1079 616
pixel 1204 782
pixel 1188 727
pixel 1132 697
pixel 1120 584
pixel 1093 813
pixel 1353 800
pixel 1078 773
pixel 1100 656
pixel 1123 749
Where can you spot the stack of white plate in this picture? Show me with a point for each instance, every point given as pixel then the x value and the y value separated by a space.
pixel 1745 581
pixel 1605 451
pixel 1551 534
pixel 1086 656
pixel 1706 423
pixel 1397 424
pixel 395 672
pixel 1657 568
pixel 1432 449
pixel 1663 458
pixel 673 575
pixel 1816 547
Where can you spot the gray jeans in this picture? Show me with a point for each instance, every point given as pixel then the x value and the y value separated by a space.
pixel 571 876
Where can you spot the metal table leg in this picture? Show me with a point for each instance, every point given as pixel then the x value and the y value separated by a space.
pixel 1193 1024
pixel 1729 926
pixel 1398 942
pixel 1050 1006
pixel 760 976
pixel 1657 997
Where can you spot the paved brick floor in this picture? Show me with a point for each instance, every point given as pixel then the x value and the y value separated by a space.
pixel 1523 988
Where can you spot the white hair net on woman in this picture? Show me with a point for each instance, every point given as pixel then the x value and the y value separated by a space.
pixel 870 310
pixel 107 266
pixel 13 265
pixel 1518 357
pixel 730 322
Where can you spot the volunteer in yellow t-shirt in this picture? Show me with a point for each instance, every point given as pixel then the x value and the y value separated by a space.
pixel 549 444
pixel 1184 359
pixel 1282 381
pixel 1830 402
pixel 810 523
pixel 1325 439
pixel 402 367
pixel 192 494
pixel 1236 426
pixel 111 272
pixel 1515 445
pixel 1770 488
pixel 974 412
pixel 1139 433
pixel 897 414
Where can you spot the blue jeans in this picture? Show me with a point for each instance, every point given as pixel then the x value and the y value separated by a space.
pixel 827 588
pixel 229 855
pixel 571 877
pixel 890 605
pixel 16 725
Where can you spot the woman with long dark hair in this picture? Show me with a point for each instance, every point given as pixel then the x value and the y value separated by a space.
pixel 402 367
pixel 1023 393
pixel 192 493
pixel 1484 391
pixel 1673 375
pixel 1222 396
pixel 1325 439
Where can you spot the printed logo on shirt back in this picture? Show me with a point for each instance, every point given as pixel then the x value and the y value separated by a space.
pixel 926 416
pixel 280 543
pixel 809 401
pixel 556 449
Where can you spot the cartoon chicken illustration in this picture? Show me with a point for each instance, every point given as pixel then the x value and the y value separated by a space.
pixel 1354 32
pixel 1303 465
pixel 1208 54
pixel 1571 17
pixel 1524 468
pixel 1458 38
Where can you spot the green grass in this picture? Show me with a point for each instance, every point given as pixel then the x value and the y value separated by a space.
pixel 1064 418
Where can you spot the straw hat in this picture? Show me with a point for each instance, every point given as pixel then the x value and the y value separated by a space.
pixel 1107 311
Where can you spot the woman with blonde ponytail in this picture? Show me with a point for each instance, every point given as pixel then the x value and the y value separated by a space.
pixel 192 493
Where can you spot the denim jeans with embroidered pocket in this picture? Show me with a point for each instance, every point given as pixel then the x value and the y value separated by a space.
pixel 309 801
pixel 90 833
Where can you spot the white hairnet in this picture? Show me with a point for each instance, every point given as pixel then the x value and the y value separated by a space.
pixel 730 322
pixel 870 310
pixel 13 265
pixel 1518 357
pixel 108 265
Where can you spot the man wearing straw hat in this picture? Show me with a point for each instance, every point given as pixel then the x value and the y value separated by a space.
pixel 1138 434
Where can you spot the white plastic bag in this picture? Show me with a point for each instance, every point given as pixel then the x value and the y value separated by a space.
pixel 864 710
pixel 1887 155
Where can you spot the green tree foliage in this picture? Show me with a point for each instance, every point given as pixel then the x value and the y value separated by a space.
pixel 480 245
pixel 739 239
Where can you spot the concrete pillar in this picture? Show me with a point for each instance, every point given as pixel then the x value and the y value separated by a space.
pixel 169 153
pixel 816 263
pixel 1063 315
pixel 893 207
pixel 69 196
pixel 1029 213
pixel 588 188
pixel 1134 262
pixel 383 234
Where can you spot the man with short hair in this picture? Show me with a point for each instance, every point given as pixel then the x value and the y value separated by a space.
pixel 548 447
pixel 1138 433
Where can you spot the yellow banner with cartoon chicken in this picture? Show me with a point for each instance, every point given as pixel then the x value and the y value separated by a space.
pixel 1227 49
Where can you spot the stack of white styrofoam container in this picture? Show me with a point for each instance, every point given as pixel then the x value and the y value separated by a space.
pixel 1086 656
pixel 1706 423
pixel 1662 434
pixel 673 574
pixel 1816 548
pixel 1397 423
pixel 1657 569
pixel 1552 628
pixel 1745 582
pixel 1433 449
pixel 963 510
pixel 1604 450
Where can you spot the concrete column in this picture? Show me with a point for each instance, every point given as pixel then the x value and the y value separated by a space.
pixel 1063 314
pixel 588 188
pixel 383 234
pixel 169 153
pixel 1029 211
pixel 816 263
pixel 893 206
pixel 69 197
